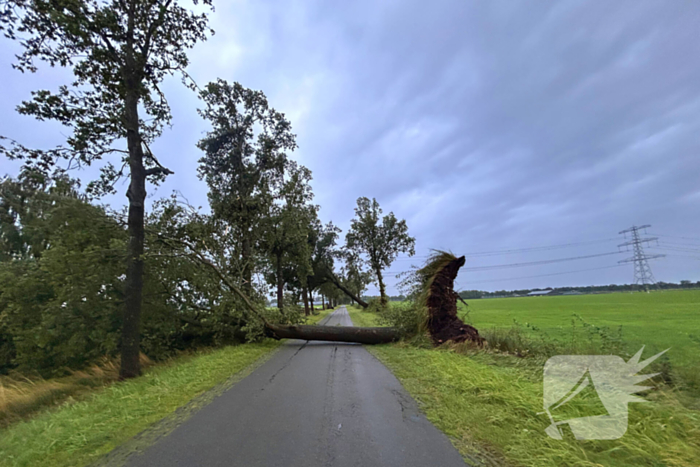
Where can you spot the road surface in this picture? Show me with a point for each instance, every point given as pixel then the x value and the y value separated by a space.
pixel 312 404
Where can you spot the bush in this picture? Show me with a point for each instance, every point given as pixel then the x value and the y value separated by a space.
pixel 404 316
pixel 374 305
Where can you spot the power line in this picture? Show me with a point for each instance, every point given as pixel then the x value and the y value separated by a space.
pixel 674 236
pixel 684 245
pixel 518 265
pixel 537 263
pixel 536 248
pixel 642 270
pixel 520 250
pixel 666 246
pixel 683 256
pixel 546 275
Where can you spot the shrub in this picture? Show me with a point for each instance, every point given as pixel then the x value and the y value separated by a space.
pixel 404 317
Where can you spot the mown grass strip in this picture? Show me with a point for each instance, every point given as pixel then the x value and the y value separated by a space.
pixel 79 433
pixel 314 319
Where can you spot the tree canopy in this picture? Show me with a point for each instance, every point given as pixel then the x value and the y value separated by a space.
pixel 119 52
pixel 378 240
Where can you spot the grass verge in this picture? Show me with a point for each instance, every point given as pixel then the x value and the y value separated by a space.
pixel 22 396
pixel 78 433
pixel 489 403
pixel 314 319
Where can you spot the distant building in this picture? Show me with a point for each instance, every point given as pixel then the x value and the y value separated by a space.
pixel 539 293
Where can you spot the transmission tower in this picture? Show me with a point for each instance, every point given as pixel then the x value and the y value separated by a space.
pixel 642 272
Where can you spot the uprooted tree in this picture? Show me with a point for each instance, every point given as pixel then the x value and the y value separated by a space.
pixel 434 311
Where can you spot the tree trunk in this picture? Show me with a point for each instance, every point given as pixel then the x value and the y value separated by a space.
pixel 133 288
pixel 382 289
pixel 280 284
pixel 334 333
pixel 323 302
pixel 347 291
pixel 305 295
pixel 247 257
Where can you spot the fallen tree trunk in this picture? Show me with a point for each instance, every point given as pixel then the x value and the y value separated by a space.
pixel 346 291
pixel 334 333
pixel 443 324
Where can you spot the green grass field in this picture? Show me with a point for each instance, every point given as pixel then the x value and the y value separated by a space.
pixel 658 320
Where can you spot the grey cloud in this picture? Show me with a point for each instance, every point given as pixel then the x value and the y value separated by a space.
pixel 487 125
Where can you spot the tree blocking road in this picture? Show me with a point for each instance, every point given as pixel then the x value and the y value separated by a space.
pixel 336 334
pixel 312 404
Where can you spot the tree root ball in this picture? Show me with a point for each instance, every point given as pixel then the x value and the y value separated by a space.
pixel 443 323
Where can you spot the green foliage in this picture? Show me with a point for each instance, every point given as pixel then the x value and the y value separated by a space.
pixel 375 305
pixel 288 225
pixel 62 283
pixel 378 242
pixel 244 164
pixel 322 241
pixel 119 52
pixel 403 316
pixel 60 304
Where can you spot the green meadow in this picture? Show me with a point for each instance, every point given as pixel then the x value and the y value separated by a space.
pixel 658 320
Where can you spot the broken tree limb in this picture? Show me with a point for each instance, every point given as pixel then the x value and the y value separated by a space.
pixel 332 277
pixel 334 333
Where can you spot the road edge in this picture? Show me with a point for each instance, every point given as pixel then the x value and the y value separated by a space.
pixel 118 456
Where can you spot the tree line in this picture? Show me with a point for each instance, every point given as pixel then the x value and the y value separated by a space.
pixel 79 281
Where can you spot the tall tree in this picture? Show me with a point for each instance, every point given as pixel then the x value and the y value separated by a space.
pixel 286 231
pixel 378 239
pixel 119 52
pixel 244 162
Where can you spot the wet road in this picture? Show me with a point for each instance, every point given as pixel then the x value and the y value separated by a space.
pixel 312 404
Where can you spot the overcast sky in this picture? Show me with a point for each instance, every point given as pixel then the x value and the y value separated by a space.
pixel 487 125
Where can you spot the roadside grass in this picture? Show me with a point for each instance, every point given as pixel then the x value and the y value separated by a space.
pixel 489 404
pixel 362 318
pixel 79 432
pixel 320 314
pixel 22 396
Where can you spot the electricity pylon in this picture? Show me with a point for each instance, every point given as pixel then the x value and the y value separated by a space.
pixel 642 272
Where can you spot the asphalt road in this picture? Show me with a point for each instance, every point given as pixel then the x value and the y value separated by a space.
pixel 312 404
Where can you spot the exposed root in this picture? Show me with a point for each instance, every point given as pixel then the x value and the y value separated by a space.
pixel 442 322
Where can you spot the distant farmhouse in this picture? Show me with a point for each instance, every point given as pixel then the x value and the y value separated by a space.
pixel 539 293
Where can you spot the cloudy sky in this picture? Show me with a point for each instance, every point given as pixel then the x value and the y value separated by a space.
pixel 488 125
